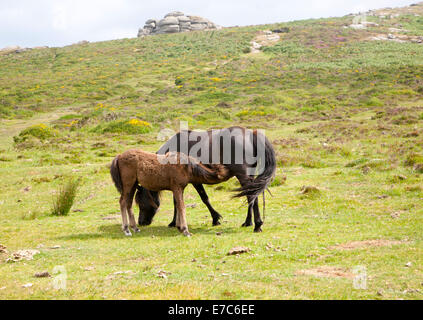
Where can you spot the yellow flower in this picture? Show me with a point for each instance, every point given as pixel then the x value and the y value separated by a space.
pixel 139 123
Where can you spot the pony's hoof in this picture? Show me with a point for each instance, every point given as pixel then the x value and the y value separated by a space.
pixel 257 230
pixel 247 224
pixel 172 225
pixel 136 230
pixel 128 233
pixel 216 223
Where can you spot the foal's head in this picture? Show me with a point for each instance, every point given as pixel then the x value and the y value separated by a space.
pixel 149 203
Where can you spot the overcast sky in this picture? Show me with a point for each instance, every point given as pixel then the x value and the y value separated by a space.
pixel 29 23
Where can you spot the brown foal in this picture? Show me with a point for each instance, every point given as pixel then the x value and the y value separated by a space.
pixel 172 171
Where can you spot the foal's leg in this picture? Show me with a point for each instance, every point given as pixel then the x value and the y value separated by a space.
pixel 204 197
pixel 129 203
pixel 181 220
pixel 123 209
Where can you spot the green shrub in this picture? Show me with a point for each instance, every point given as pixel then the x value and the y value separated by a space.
pixel 255 112
pixel 374 102
pixel 278 181
pixel 413 159
pixel 64 200
pixel 40 131
pixel 312 162
pixel 291 49
pixel 133 126
pixel 357 162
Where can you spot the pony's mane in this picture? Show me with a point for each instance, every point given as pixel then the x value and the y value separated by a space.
pixel 138 198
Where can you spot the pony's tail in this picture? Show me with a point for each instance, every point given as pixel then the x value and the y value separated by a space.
pixel 259 184
pixel 115 173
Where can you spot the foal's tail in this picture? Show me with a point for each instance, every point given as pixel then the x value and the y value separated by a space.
pixel 259 184
pixel 115 173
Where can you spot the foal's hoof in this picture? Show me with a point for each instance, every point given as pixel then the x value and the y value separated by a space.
pixel 216 223
pixel 136 230
pixel 186 233
pixel 127 233
pixel 247 224
pixel 172 224
pixel 257 230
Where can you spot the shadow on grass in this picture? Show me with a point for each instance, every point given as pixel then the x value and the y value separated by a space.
pixel 114 231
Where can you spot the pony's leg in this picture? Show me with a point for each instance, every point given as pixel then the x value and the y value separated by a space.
pixel 243 179
pixel 129 203
pixel 253 207
pixel 248 220
pixel 257 219
pixel 205 198
pixel 173 223
pixel 181 220
pixel 123 209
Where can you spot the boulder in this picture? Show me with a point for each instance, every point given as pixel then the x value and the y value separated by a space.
pixel 149 21
pixel 197 19
pixel 198 26
pixel 151 25
pixel 171 28
pixel 168 21
pixel 174 14
pixel 11 49
pixel 183 19
pixel 143 32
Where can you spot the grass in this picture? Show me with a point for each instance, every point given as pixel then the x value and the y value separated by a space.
pixel 63 201
pixel 344 115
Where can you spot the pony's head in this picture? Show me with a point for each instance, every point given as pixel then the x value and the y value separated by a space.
pixel 149 203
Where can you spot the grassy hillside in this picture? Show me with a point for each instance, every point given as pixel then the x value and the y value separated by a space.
pixel 345 115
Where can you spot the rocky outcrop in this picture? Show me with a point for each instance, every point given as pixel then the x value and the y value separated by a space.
pixel 174 22
pixel 17 49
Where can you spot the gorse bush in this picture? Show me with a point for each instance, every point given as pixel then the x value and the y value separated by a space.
pixel 63 201
pixel 40 131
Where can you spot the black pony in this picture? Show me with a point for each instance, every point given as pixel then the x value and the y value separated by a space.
pixel 252 186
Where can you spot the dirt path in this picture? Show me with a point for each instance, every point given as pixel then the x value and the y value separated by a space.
pixel 10 128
